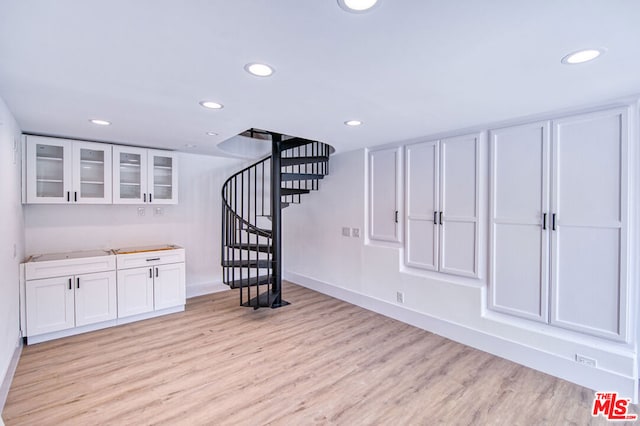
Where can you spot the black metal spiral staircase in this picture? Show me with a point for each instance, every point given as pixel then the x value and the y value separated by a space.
pixel 252 201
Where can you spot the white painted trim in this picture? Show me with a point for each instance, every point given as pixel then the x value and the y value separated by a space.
pixel 5 384
pixel 567 369
pixel 201 289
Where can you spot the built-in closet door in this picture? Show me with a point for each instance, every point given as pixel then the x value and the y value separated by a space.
pixel 422 187
pixel 384 192
pixel 589 205
pixel 519 227
pixel 459 205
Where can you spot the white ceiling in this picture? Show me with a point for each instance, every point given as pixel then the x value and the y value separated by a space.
pixel 407 68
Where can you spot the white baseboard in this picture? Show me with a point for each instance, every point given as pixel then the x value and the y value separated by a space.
pixel 205 288
pixel 549 363
pixel 5 384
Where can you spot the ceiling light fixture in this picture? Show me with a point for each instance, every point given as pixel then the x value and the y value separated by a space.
pixel 211 105
pixel 212 134
pixel 100 122
pixel 353 123
pixel 259 70
pixel 357 6
pixel 582 56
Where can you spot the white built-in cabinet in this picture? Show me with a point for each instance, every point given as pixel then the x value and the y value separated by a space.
pixel 442 205
pixel 64 171
pixel 67 291
pixel 384 167
pixel 150 280
pixel 558 227
pixel 144 176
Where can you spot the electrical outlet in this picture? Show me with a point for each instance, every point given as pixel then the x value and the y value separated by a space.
pixel 158 211
pixel 589 362
pixel 346 232
pixel 141 211
pixel 400 297
pixel 355 233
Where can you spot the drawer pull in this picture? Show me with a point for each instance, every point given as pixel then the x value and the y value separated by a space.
pixel 152 259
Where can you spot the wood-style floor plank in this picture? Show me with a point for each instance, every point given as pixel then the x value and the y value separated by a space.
pixel 317 361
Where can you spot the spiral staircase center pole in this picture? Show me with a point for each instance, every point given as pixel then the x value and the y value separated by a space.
pixel 276 217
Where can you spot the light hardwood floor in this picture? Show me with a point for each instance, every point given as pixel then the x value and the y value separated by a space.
pixel 317 361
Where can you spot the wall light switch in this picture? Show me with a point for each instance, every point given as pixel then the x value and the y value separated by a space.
pixel 346 232
pixel 355 232
pixel 141 211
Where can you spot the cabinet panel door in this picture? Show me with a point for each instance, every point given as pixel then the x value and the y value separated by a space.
pixel 169 287
pixel 384 168
pixel 162 177
pixel 129 175
pixel 422 205
pixel 96 299
pixel 50 305
pixel 48 170
pixel 135 291
pixel 519 281
pixel 92 170
pixel 589 246
pixel 459 205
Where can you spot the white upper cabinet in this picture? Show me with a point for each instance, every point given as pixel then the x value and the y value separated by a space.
pixel 62 171
pixel 559 208
pixel 589 223
pixel 384 194
pixel 442 205
pixel 519 206
pixel 144 176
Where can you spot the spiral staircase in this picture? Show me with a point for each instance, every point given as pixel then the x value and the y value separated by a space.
pixel 252 203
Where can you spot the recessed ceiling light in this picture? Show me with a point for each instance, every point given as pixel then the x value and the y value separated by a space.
pixel 357 6
pixel 353 123
pixel 211 105
pixel 259 70
pixel 212 134
pixel 100 122
pixel 582 56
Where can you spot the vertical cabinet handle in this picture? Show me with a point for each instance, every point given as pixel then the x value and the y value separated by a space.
pixel 150 272
pixel 435 217
pixel 156 272
pixel 68 196
pixel 396 216
pixel 553 222
pixel 144 197
pixel 78 282
pixel 150 197
pixel 69 283
pixel 544 221
pixel 75 196
pixel 440 218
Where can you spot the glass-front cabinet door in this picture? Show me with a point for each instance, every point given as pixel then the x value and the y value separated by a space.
pixel 163 177
pixel 48 170
pixel 130 175
pixel 91 173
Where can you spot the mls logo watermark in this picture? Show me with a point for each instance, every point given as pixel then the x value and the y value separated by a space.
pixel 611 407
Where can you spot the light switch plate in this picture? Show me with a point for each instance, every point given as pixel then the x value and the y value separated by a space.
pixel 346 232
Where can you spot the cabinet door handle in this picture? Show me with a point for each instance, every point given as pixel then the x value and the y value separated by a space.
pixel 69 283
pixel 553 222
pixel 75 196
pixel 68 196
pixel 152 259
pixel 144 197
pixel 440 218
pixel 544 221
pixel 435 217
pixel 150 273
pixel 150 197
pixel 396 216
pixel 78 282
pixel 156 272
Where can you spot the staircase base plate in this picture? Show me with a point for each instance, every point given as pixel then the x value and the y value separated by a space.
pixel 262 301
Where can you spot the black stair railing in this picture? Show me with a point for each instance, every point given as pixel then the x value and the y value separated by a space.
pixel 252 200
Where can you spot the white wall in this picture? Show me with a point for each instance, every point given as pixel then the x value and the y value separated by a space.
pixel 11 233
pixel 193 223
pixel 316 255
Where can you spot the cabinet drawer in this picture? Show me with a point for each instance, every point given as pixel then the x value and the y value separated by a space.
pixel 58 268
pixel 127 261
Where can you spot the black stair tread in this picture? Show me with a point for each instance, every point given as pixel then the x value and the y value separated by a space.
pixel 293 191
pixel 293 161
pixel 285 177
pixel 258 231
pixel 265 300
pixel 251 281
pixel 294 143
pixel 264 248
pixel 247 263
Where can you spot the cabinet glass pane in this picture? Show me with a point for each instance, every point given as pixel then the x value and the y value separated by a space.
pixel 130 174
pixel 162 177
pixel 49 171
pixel 91 173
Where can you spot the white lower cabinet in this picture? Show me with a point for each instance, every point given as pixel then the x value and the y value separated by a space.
pixel 135 291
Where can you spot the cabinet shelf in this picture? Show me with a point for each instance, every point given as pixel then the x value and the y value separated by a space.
pixel 129 184
pixel 129 165
pixel 39 157
pixel 92 162
pixel 49 180
pixel 91 182
pixel 163 185
pixel 163 167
